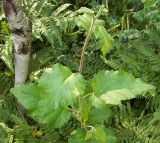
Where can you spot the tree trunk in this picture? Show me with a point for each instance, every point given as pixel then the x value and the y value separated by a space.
pixel 21 30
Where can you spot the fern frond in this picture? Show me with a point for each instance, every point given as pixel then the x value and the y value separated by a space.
pixel 48 20
pixel 6 45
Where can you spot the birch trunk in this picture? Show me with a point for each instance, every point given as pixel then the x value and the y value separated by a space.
pixel 21 32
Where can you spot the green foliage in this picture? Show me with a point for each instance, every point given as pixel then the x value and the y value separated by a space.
pixel 6 45
pixel 18 134
pixel 87 19
pixel 93 135
pixel 50 98
pixel 55 97
pixel 6 100
pixel 136 50
pixel 134 26
pixel 98 114
pixel 135 128
pixel 118 86
pixel 63 20
pixel 49 20
pixel 92 64
pixel 78 136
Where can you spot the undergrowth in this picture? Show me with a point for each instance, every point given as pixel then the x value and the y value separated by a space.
pixel 135 29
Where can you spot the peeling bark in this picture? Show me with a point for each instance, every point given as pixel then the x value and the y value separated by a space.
pixel 21 32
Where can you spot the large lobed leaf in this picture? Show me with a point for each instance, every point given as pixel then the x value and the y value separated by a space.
pixel 111 87
pixel 48 99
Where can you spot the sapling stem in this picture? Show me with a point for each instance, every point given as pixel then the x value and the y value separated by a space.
pixel 84 48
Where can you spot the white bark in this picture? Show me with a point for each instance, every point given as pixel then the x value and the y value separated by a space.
pixel 21 32
pixel 21 68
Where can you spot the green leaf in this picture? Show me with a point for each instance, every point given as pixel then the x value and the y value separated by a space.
pixel 99 114
pixel 100 135
pixel 99 31
pixel 149 3
pixel 77 136
pixel 86 107
pixel 48 99
pixel 96 135
pixel 89 135
pixel 112 87
pixel 111 137
pixel 85 10
pixel 59 116
pixel 104 38
pixel 84 21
